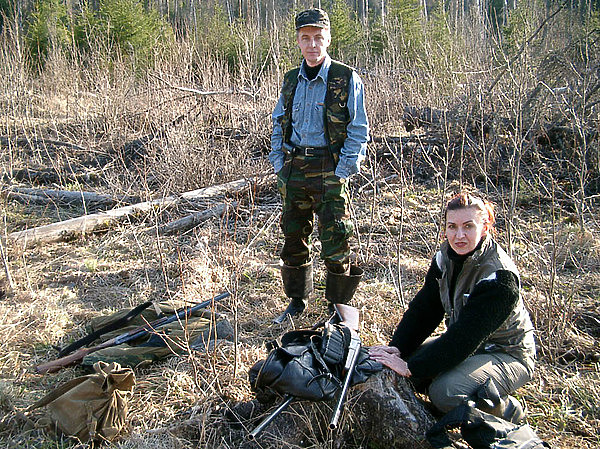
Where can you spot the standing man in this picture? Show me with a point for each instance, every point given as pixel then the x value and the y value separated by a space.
pixel 320 134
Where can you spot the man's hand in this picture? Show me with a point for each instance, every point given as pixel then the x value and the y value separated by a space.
pixel 390 356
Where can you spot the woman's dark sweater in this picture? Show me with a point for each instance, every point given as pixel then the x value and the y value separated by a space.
pixel 489 305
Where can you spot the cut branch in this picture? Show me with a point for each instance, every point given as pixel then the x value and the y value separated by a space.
pixel 206 93
pixel 192 220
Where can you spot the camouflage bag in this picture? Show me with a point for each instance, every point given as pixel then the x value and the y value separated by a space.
pixel 92 407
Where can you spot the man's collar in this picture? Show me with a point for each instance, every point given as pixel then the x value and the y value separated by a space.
pixel 324 68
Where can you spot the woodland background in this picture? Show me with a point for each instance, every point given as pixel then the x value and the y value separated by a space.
pixel 138 101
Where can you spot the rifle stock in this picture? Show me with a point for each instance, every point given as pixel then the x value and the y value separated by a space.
pixel 55 365
pixel 349 316
pixel 77 356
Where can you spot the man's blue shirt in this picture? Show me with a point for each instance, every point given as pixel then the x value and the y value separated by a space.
pixel 308 127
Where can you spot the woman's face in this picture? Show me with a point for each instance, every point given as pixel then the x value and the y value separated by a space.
pixel 464 229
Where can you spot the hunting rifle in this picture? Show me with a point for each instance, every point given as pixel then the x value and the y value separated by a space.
pixel 141 331
pixel 349 317
pixel 117 324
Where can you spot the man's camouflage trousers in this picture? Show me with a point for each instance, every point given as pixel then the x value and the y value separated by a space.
pixel 309 186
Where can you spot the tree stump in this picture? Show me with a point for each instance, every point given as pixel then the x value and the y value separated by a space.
pixel 382 412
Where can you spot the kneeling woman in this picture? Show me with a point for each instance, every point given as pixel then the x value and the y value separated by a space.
pixel 488 344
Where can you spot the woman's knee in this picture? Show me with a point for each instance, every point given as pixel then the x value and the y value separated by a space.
pixel 444 394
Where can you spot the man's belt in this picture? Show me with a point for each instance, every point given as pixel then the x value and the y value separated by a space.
pixel 298 150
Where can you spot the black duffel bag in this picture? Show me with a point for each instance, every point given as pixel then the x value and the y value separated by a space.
pixel 308 365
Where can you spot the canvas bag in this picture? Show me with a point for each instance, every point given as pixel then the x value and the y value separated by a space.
pixel 92 407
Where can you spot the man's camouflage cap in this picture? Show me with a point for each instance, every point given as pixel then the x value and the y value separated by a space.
pixel 312 18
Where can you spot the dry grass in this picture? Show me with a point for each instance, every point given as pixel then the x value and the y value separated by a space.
pixel 146 139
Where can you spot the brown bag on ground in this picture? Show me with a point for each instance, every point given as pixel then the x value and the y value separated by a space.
pixel 92 407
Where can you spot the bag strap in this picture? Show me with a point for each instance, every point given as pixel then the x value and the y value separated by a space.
pixel 58 392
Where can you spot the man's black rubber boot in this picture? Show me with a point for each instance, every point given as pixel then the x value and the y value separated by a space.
pixel 295 307
pixel 340 288
pixel 298 285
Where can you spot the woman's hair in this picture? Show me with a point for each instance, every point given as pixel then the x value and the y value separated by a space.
pixel 465 200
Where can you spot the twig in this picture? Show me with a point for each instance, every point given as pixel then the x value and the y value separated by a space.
pixel 24 141
pixel 523 46
pixel 206 93
pixel 9 279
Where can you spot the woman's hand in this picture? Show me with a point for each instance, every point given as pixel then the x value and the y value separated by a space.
pixel 390 356
pixel 382 348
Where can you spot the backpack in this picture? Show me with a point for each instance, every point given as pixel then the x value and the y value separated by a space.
pixel 308 364
pixel 92 407
pixel 483 431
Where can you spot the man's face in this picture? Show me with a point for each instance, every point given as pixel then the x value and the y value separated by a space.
pixel 313 43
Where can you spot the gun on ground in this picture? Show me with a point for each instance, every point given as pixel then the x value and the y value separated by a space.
pixel 350 318
pixel 77 356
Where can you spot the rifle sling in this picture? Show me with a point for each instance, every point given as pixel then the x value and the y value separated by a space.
pixel 121 322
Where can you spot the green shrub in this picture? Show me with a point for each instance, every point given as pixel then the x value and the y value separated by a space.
pixel 214 35
pixel 6 10
pixel 348 38
pixel 48 27
pixel 133 30
pixel 521 24
pixel 405 29
pixel 121 26
pixel 245 48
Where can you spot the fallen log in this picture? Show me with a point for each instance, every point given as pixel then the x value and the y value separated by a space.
pixel 61 196
pixel 87 224
pixel 51 175
pixel 382 412
pixel 188 222
pixel 26 198
pixel 30 142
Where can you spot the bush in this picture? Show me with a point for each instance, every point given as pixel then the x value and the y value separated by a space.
pixel 405 29
pixel 6 9
pixel 132 29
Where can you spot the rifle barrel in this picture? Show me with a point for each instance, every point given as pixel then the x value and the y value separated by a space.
pixel 265 422
pixel 350 364
pixel 55 365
